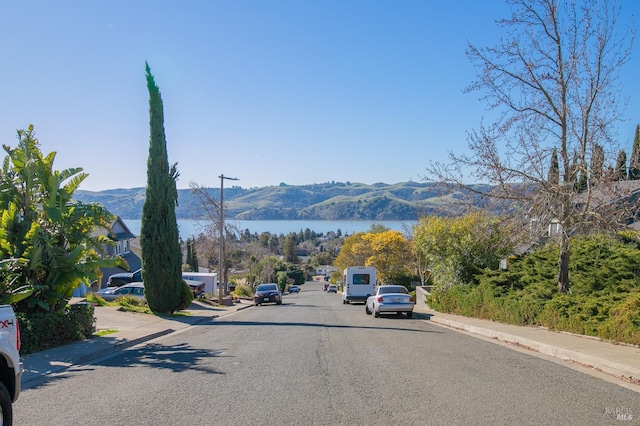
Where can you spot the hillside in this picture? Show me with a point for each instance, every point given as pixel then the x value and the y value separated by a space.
pixel 327 201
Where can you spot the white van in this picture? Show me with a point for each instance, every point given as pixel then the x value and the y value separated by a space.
pixel 358 283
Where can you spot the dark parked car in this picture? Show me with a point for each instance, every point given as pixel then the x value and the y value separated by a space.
pixel 122 278
pixel 267 293
pixel 197 287
pixel 294 289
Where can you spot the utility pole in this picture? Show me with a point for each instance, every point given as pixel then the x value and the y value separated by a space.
pixel 221 230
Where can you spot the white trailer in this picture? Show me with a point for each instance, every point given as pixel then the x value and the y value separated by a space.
pixel 210 280
pixel 358 283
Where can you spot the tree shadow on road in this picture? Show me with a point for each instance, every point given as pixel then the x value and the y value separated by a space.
pixel 176 358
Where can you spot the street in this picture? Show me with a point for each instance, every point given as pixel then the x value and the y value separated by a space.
pixel 313 360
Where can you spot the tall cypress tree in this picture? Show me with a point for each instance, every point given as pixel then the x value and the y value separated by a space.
pixel 194 257
pixel 634 166
pixel 621 166
pixel 189 259
pixel 159 238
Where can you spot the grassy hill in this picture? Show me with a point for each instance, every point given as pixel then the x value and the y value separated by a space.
pixel 326 201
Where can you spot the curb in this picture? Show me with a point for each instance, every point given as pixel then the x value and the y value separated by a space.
pixel 604 365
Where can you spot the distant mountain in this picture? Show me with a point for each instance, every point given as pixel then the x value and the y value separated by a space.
pixel 326 201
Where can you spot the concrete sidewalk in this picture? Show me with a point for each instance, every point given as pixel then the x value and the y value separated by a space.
pixel 130 328
pixel 621 361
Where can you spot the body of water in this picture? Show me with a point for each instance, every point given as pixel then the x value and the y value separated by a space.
pixel 190 228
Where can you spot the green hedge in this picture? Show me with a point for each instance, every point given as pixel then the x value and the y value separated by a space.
pixel 40 331
pixel 604 300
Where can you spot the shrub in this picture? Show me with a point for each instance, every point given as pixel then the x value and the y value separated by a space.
pixel 243 291
pixel 133 304
pixel 604 300
pixel 97 300
pixel 186 297
pixel 623 324
pixel 44 330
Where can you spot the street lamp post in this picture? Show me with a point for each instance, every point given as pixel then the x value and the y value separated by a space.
pixel 221 230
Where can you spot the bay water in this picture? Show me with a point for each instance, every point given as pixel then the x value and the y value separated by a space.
pixel 192 228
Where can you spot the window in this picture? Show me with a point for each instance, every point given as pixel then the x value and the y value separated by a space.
pixel 386 289
pixel 554 228
pixel 361 279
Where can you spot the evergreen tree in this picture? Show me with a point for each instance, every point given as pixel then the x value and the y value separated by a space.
pixel 290 250
pixel 621 166
pixel 634 167
pixel 159 238
pixel 189 260
pixel 194 257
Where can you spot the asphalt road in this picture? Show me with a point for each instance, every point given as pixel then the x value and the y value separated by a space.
pixel 313 360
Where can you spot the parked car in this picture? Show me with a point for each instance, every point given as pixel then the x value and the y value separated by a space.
pixel 136 289
pixel 332 288
pixel 294 289
pixel 11 367
pixel 390 298
pixel 267 293
pixel 132 289
pixel 122 278
pixel 197 287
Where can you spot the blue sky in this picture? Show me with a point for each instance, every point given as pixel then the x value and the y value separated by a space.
pixel 266 91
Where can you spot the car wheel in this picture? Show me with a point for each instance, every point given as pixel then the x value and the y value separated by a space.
pixel 409 314
pixel 376 314
pixel 366 309
pixel 5 405
pixel 256 304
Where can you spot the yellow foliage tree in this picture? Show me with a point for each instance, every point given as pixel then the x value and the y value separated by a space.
pixel 390 254
pixel 353 252
pixel 456 247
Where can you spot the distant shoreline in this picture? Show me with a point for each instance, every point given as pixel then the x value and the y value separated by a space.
pixel 189 228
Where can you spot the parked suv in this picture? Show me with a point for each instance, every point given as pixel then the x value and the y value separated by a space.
pixel 267 293
pixel 122 278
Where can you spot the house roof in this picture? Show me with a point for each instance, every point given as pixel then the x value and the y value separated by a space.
pixel 611 193
pixel 117 231
pixel 635 226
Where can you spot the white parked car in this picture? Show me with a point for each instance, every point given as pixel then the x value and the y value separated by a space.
pixel 390 298
pixel 132 289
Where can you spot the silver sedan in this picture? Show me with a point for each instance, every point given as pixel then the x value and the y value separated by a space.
pixel 390 298
pixel 132 289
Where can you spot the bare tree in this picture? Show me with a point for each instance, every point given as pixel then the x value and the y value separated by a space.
pixel 553 81
pixel 209 221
